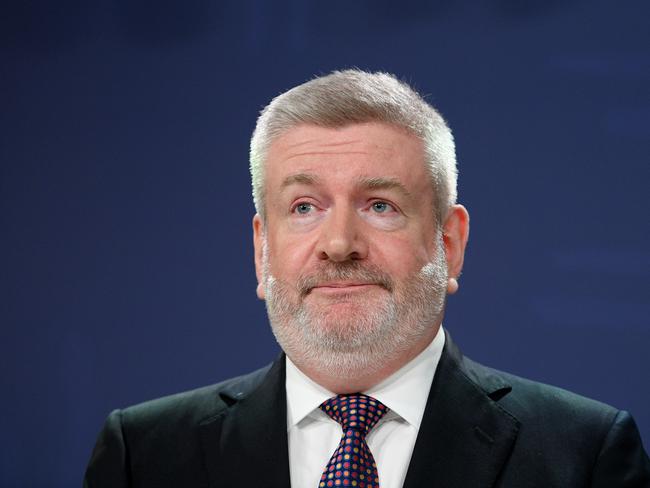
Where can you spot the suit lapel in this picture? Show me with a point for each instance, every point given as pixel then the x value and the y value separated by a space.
pixel 246 445
pixel 465 436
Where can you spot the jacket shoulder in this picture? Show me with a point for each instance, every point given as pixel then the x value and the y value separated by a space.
pixel 564 438
pixel 193 406
pixel 158 442
pixel 526 398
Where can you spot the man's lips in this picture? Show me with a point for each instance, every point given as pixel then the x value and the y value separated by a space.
pixel 341 279
pixel 342 287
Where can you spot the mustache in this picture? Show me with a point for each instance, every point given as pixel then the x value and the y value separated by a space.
pixel 344 271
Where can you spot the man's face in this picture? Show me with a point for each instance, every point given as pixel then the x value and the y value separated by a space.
pixel 350 260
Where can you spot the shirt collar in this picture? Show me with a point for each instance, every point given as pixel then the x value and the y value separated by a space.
pixel 405 392
pixel 304 395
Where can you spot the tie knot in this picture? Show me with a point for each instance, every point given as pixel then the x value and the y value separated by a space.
pixel 355 411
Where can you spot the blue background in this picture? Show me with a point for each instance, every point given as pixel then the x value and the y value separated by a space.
pixel 126 267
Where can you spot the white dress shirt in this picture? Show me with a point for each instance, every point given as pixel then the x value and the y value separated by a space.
pixel 313 435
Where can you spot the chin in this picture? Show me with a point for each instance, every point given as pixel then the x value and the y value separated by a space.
pixel 345 362
pixel 343 317
pixel 347 326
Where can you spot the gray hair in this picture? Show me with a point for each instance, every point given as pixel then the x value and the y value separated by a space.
pixel 354 96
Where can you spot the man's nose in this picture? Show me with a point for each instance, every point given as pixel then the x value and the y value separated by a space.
pixel 342 237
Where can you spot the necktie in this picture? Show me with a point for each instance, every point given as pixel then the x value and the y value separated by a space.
pixel 352 463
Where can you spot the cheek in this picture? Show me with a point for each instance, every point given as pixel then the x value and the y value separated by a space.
pixel 288 257
pixel 401 256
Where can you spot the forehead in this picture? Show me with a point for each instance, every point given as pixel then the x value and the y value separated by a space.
pixel 351 152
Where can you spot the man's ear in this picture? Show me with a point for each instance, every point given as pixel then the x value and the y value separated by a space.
pixel 455 234
pixel 258 244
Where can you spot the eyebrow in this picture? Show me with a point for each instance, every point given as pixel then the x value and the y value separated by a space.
pixel 299 179
pixel 379 183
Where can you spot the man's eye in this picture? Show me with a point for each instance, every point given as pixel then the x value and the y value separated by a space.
pixel 303 208
pixel 382 207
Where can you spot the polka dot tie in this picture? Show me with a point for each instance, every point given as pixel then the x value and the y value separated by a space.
pixel 352 463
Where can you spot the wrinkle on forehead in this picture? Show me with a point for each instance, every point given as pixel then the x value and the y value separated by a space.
pixel 323 146
pixel 323 153
pixel 321 142
pixel 314 140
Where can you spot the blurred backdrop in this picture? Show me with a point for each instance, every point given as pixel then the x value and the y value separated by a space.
pixel 126 265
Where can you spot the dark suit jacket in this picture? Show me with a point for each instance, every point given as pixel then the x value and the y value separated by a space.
pixel 481 428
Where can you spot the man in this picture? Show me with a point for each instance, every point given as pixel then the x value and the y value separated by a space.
pixel 358 239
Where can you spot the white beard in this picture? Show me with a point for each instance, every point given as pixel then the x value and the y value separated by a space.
pixel 359 342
